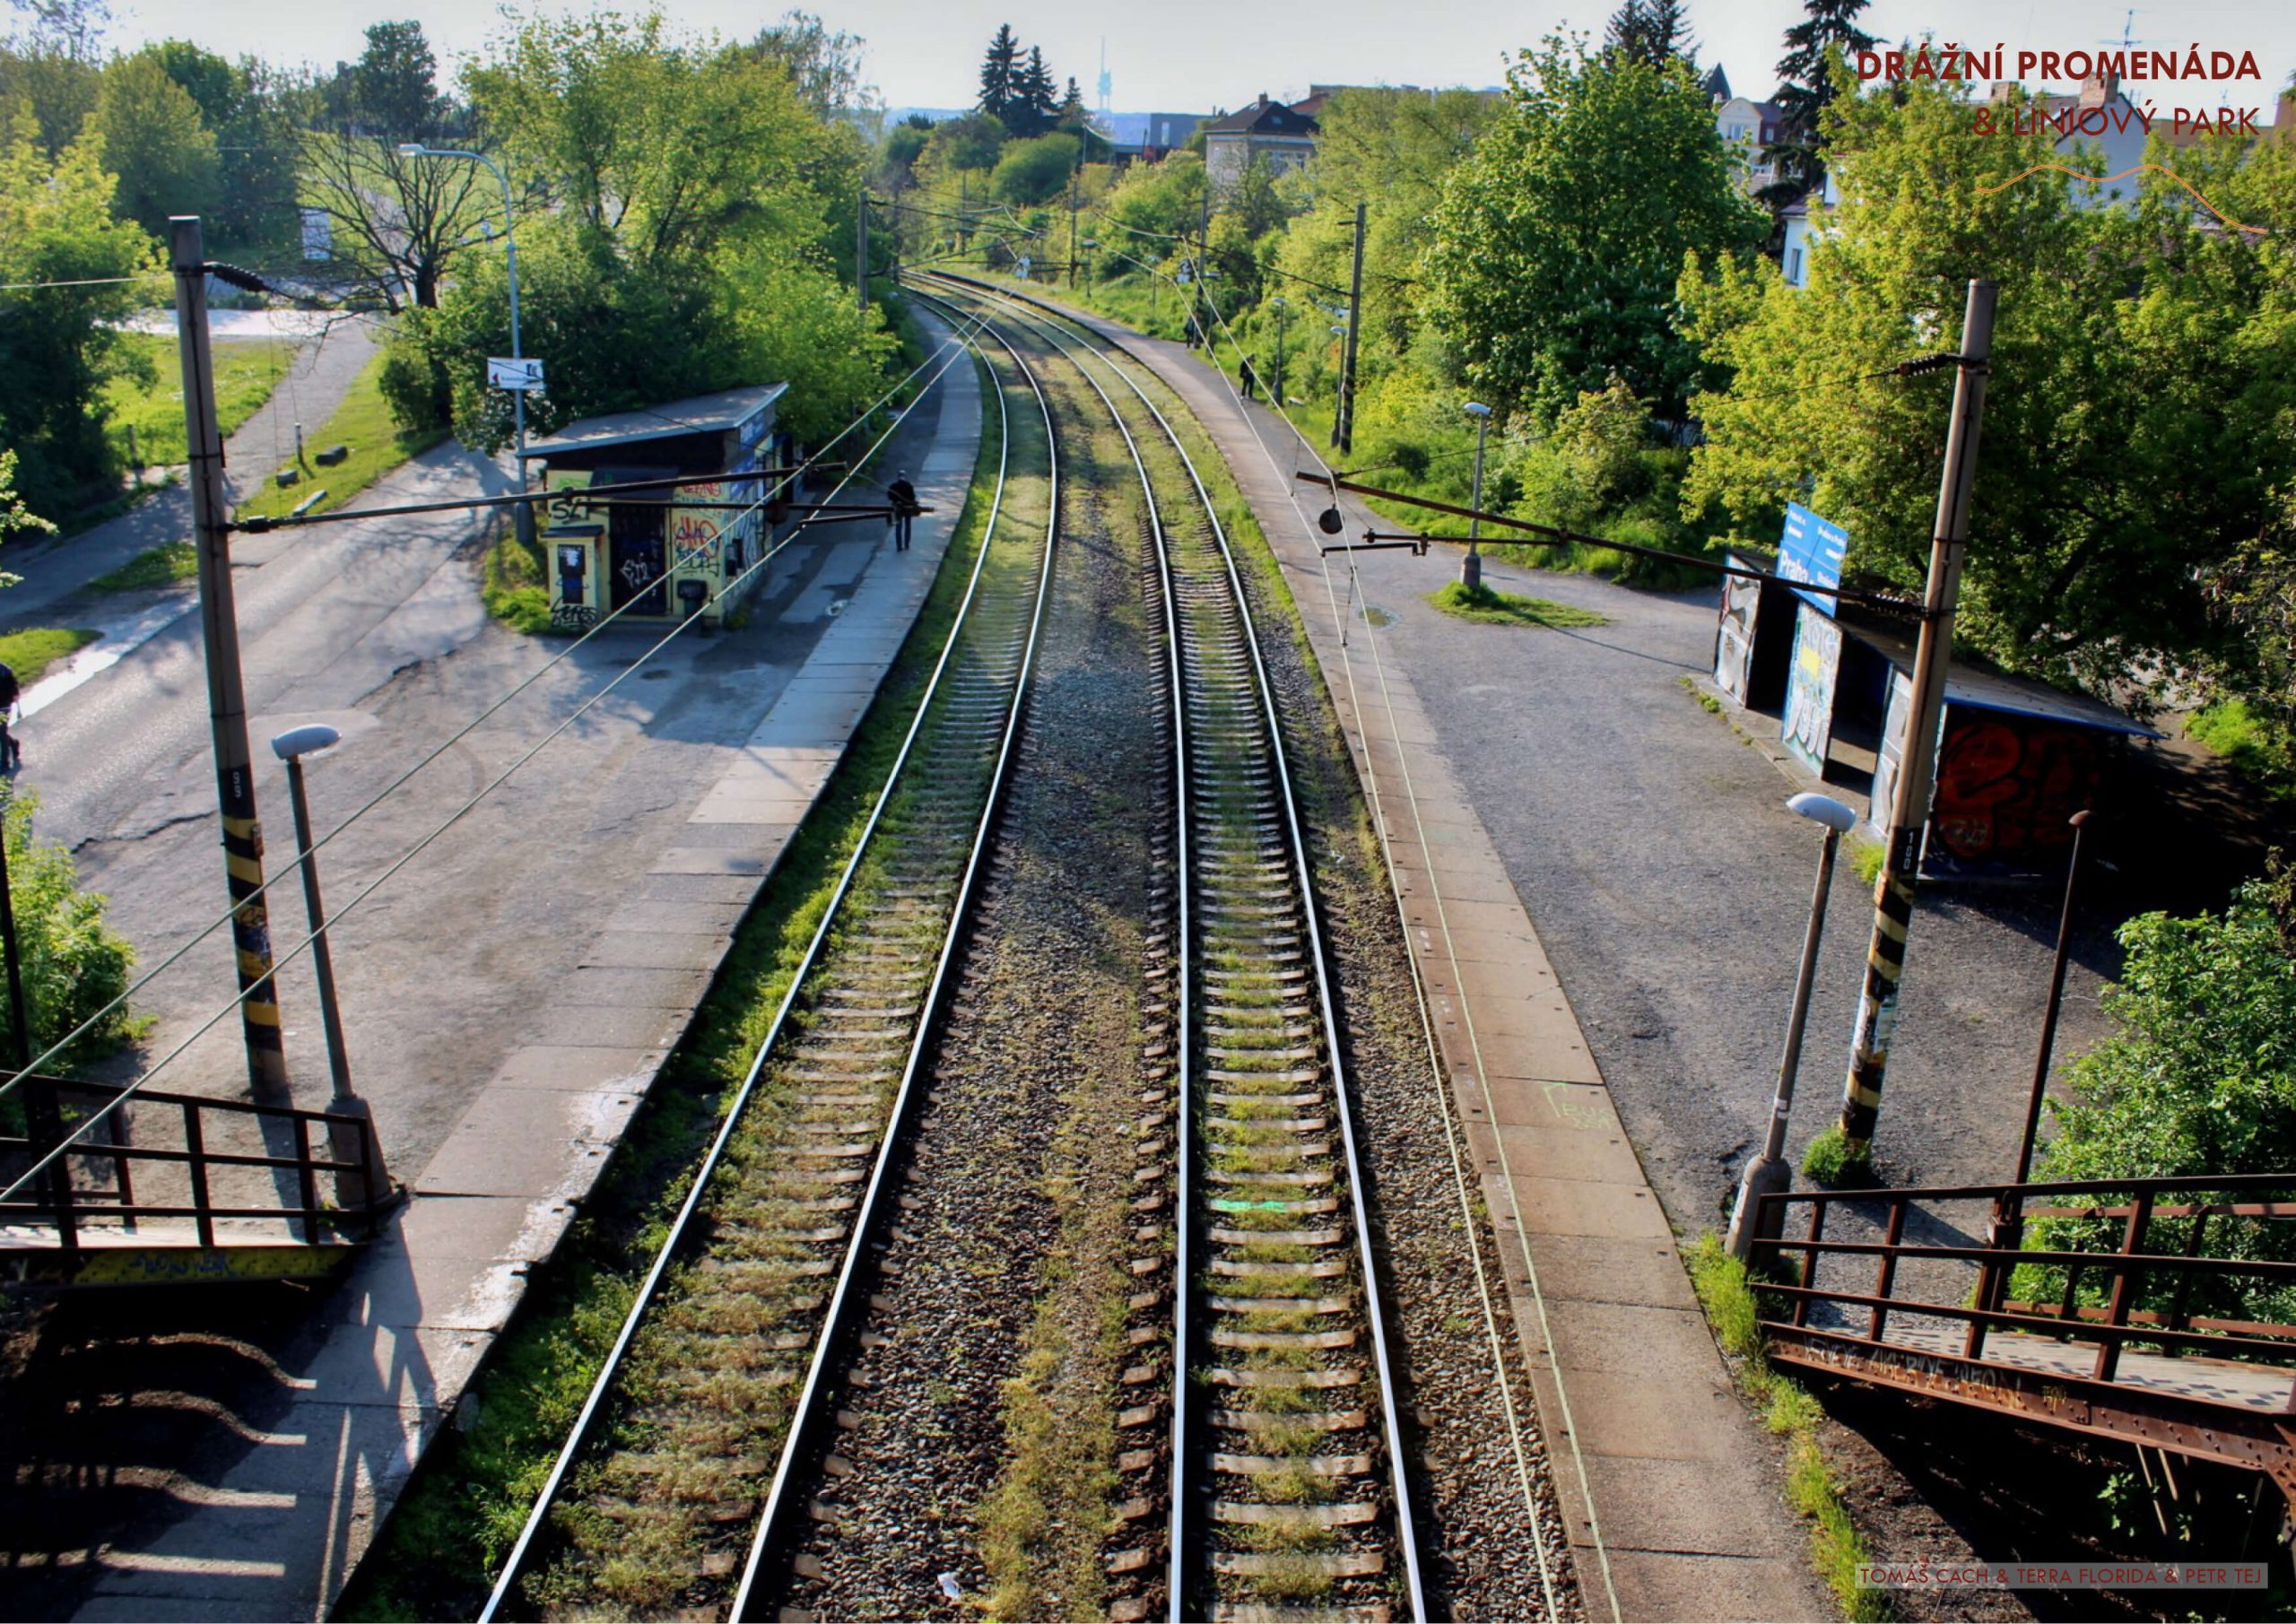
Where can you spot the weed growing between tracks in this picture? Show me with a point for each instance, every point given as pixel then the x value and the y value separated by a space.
pixel 1836 1547
pixel 437 1554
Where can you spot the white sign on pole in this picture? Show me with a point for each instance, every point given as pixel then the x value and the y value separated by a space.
pixel 522 374
pixel 318 235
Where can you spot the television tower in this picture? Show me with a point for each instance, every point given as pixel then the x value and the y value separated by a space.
pixel 1107 118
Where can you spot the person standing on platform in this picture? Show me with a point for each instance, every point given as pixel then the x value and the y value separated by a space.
pixel 902 497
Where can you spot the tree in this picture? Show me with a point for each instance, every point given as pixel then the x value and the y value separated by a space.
pixel 1035 102
pixel 254 201
pixel 662 145
pixel 970 142
pixel 58 345
pixel 2155 364
pixel 2199 1079
pixel 898 153
pixel 1652 32
pixel 1034 171
pixel 824 67
pixel 398 220
pixel 72 962
pixel 1559 240
pixel 395 84
pixel 999 75
pixel 1811 74
pixel 151 139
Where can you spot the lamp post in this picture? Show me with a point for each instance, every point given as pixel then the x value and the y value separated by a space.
pixel 360 1189
pixel 523 515
pixel 1471 565
pixel 1769 1173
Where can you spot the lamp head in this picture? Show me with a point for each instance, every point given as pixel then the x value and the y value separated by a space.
pixel 1823 808
pixel 412 149
pixel 301 741
pixel 1475 408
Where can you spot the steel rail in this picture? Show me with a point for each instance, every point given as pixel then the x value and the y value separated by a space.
pixel 515 1563
pixel 1405 1532
pixel 808 1421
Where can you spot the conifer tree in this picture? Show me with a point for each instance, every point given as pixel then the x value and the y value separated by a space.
pixel 1651 31
pixel 999 75
pixel 1036 102
pixel 1807 90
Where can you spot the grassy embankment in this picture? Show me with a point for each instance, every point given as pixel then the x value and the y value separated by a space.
pixel 376 444
pixel 438 1552
pixel 30 653
pixel 362 422
pixel 145 404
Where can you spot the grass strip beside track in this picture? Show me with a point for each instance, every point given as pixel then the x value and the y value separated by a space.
pixel 1836 1547
pixel 438 1554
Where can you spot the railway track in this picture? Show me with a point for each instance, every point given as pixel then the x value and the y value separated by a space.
pixel 712 1391
pixel 1286 1485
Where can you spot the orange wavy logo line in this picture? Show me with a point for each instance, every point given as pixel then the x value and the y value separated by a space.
pixel 2133 169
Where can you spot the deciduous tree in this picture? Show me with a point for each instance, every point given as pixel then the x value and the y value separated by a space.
pixel 1559 240
pixel 59 344
pixel 152 138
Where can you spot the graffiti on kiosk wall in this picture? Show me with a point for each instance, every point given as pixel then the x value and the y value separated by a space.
pixel 692 537
pixel 2006 789
pixel 1808 730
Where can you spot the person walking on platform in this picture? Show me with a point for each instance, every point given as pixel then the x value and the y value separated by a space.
pixel 902 497
pixel 1249 378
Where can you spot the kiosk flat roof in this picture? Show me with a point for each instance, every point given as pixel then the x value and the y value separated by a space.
pixel 1990 691
pixel 698 414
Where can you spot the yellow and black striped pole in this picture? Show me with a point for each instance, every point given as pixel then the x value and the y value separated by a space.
pixel 1893 892
pixel 227 706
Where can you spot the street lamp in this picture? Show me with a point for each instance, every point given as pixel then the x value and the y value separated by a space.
pixel 1471 565
pixel 360 1189
pixel 415 149
pixel 1768 1173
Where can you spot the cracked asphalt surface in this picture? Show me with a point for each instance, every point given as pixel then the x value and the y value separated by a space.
pixel 377 627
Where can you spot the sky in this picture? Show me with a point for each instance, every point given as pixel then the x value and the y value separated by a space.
pixel 1193 56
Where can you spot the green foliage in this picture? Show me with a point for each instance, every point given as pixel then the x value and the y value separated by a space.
pixel 29 652
pixel 244 108
pixel 1831 1162
pixel 147 394
pixel 395 83
pixel 74 963
pixel 2200 1078
pixel 169 564
pixel 2260 747
pixel 1733 1309
pixel 14 516
pixel 969 143
pixel 58 345
pixel 515 586
pixel 2152 363
pixel 151 136
pixel 1035 170
pixel 54 84
pixel 1495 608
pixel 1560 239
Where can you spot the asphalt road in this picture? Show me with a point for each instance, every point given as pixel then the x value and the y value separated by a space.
pixel 1652 850
pixel 377 627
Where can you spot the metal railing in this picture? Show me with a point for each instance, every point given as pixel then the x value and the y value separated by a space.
pixel 187 1141
pixel 2098 1293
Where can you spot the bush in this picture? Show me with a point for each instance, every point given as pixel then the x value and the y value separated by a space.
pixel 74 964
pixel 2259 747
pixel 1033 172
pixel 414 384
pixel 2200 1078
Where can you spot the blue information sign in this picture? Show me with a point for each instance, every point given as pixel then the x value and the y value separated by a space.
pixel 1811 550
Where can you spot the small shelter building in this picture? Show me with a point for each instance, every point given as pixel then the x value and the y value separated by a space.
pixel 2016 759
pixel 666 552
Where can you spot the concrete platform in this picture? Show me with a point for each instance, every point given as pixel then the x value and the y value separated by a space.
pixel 420 1311
pixel 1671 1492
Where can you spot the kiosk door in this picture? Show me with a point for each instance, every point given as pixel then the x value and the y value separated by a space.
pixel 637 563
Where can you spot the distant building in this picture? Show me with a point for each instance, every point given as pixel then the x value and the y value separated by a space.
pixel 1161 134
pixel 1283 135
pixel 1793 252
pixel 1747 128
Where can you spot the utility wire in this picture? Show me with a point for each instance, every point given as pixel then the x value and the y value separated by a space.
pixel 952 350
